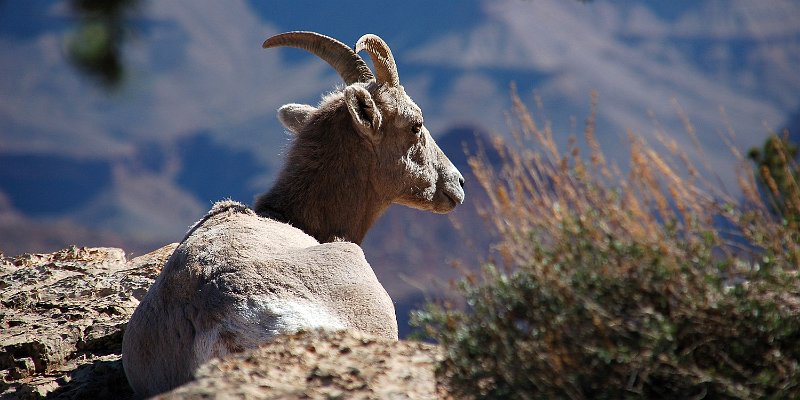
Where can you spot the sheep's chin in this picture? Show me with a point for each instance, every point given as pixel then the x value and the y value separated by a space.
pixel 442 203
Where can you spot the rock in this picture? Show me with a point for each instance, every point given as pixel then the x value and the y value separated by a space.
pixel 63 315
pixel 321 365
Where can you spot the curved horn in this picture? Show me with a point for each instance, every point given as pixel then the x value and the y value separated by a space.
pixel 382 57
pixel 350 66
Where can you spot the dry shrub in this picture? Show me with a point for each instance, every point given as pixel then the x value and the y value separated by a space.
pixel 647 284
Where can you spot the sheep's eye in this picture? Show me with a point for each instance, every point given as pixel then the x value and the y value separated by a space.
pixel 416 129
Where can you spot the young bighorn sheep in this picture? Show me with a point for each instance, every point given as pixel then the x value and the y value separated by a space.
pixel 242 276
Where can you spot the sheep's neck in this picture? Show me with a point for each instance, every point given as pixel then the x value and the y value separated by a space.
pixel 332 203
pixel 318 216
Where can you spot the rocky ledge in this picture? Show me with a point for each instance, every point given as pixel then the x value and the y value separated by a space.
pixel 63 315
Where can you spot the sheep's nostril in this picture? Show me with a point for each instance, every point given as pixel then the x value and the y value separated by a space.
pixel 461 181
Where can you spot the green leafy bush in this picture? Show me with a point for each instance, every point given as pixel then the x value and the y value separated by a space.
pixel 650 284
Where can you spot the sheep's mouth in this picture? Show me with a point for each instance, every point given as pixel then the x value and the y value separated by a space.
pixel 447 201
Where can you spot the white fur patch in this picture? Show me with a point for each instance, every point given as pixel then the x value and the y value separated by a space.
pixel 261 317
pixel 280 316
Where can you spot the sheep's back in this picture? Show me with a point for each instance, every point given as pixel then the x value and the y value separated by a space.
pixel 256 262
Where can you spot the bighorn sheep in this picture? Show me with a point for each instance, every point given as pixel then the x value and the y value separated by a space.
pixel 241 276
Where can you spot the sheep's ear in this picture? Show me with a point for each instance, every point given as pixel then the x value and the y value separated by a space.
pixel 294 116
pixel 366 115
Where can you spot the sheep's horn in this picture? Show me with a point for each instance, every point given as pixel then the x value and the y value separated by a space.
pixel 378 50
pixel 350 66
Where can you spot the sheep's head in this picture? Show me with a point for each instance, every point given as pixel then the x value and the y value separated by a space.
pixel 405 162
